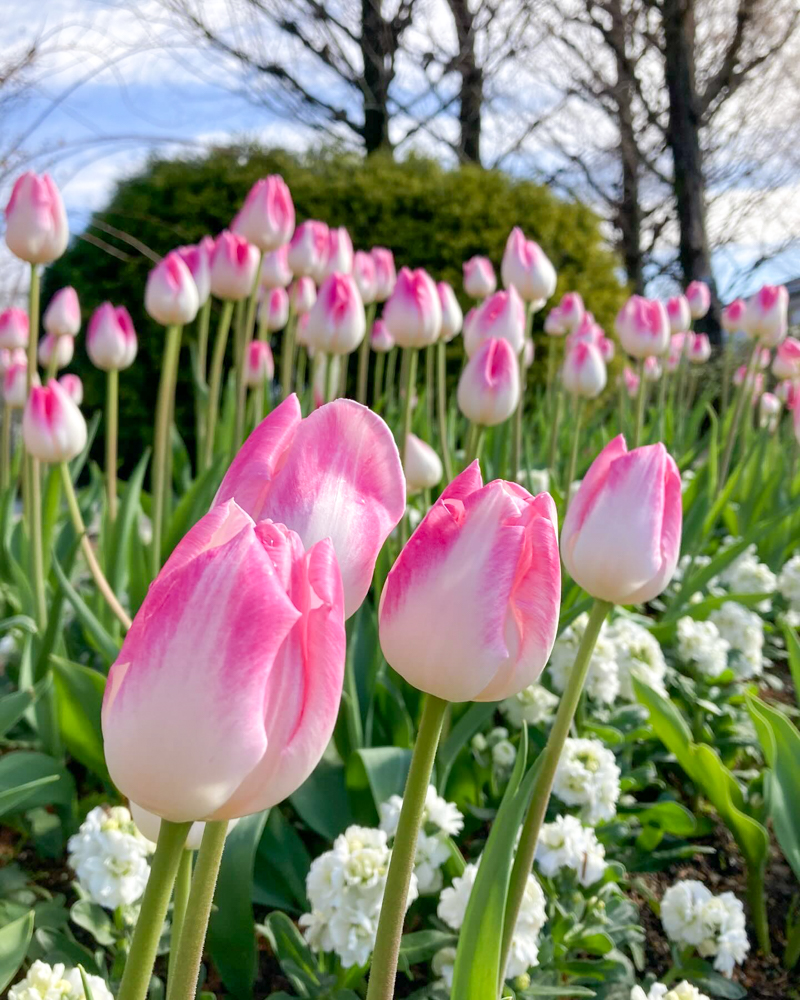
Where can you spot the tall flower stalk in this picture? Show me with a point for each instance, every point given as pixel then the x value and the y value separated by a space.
pixel 166 396
pixel 215 379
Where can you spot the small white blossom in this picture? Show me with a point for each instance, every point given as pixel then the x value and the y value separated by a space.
pixel 700 645
pixel 637 654
pixel 602 680
pixel 683 991
pixel 45 982
pixel 715 925
pixel 746 575
pixel 109 856
pixel 534 705
pixel 587 775
pixel 789 586
pixel 504 754
pixel 743 630
pixel 443 965
pixel 566 843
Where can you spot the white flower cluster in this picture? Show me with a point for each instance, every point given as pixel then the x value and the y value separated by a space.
pixel 638 654
pixel 747 575
pixel 440 819
pixel 345 888
pixel 658 991
pixel 743 630
pixel 46 982
pixel 109 856
pixel 587 775
pixel 525 945
pixel 534 705
pixel 789 586
pixel 566 843
pixel 693 916
pixel 700 645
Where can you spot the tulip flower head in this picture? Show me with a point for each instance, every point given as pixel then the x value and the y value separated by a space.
pixel 111 339
pixel 584 371
pixel 651 369
pixel 385 274
pixel 607 349
pixel 234 265
pixel 149 825
pixel 470 608
pixel 500 316
pixel 36 223
pixel 308 250
pixel 733 316
pixel 555 324
pixel 260 367
pixel 677 345
pixel 630 380
pixel 275 270
pixel 364 273
pixel 15 383
pixel 340 252
pixel 413 313
pixel 53 427
pixel 698 295
pixel 787 359
pixel 303 295
pixel 452 316
pixel 336 322
pixel 197 257
pixel 622 532
pixel 489 387
pixel 572 311
pixel 267 217
pixel 679 313
pixel 62 317
pixel 479 277
pixel 13 328
pixel 421 465
pixel 63 348
pixel 699 348
pixel 274 309
pixel 170 296
pixel 380 339
pixel 766 317
pixel 787 392
pixel 642 327
pixel 769 411
pixel 526 266
pixel 72 385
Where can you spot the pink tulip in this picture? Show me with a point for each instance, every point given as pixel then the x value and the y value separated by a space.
pixel 308 250
pixel 234 265
pixel 769 410
pixel 763 358
pixel 336 322
pixel 470 609
pixel 421 465
pixel 303 294
pixel 766 318
pixel 336 474
pixel 630 380
pixel 413 312
pixel 679 313
pixel 527 267
pixel 13 328
pixel 340 252
pixel 9 358
pixel 584 371
pixel 787 359
pixel 502 316
pixel 275 270
pixel 385 275
pixel 260 367
pixel 572 310
pixel 149 825
pixel 301 333
pixel 607 349
pixel 111 339
pixel 677 344
pixel 787 393
pixel 643 327
pixel 36 223
pixel 171 296
pixel 197 257
pixel 73 387
pixel 364 273
pixel 489 387
pixel 555 325
pixel 698 296
pixel 15 383
pixel 622 534
pixel 733 316
pixel 651 369
pixel 380 339
pixel 274 309
pixel 267 217
pixel 528 352
pixel 53 427
pixel 452 316
pixel 586 332
pixel 62 347
pixel 699 348
pixel 796 420
pixel 62 317
pixel 227 687
pixel 755 380
pixel 479 277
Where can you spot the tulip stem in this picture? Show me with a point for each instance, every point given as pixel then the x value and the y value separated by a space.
pixel 554 428
pixel 391 371
pixel 573 454
pixel 302 359
pixel 52 363
pixel 523 862
pixel 180 900
pixel 640 406
pixel 516 447
pixel 330 377
pixel 186 962
pixel 377 384
pixel 475 437
pixel 247 336
pixel 410 365
pixel 112 424
pixel 430 361
pixel 383 968
pixel 5 450
pixel 217 361
pixel 33 327
pixel 287 352
pixel 363 357
pixel 166 392
pixel 203 325
pixel 738 410
pixel 86 546
pixel 155 903
pixel 441 408
pixel 37 551
pixel 662 404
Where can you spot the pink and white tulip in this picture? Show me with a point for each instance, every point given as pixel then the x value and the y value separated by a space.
pixel 584 371
pixel 526 266
pixel 340 252
pixel 73 387
pixel 308 250
pixel 62 317
pixel 275 270
pixel 385 274
pixel 336 322
pixel 677 345
pixel 607 349
pixel 630 380
pixel 149 825
pixel 234 265
pixel 380 339
pixel 479 277
pixel 767 315
pixel 170 296
pixel 698 295
pixel 555 324
pixel 53 427
pixel 489 387
pixel 733 316
pixel 786 364
pixel 260 367
pixel 679 313
pixel 303 294
pixel 572 311
pixel 643 327
pixel 364 273
pixel 452 316
pixel 274 309
pixel 267 217
pixel 15 383
pixel 788 392
pixel 470 609
pixel 413 312
pixel 14 328
pixel 586 332
pixel 421 465
pixel 111 339
pixel 699 348
pixel 651 369
pixel 197 257
pixel 36 224
pixel 502 316
pixel 62 348
pixel 622 533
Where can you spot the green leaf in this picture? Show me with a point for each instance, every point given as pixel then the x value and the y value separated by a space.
pixel 87 987
pixel 53 946
pixel 126 524
pixel 475 717
pixel 383 769
pixel 13 707
pixel 423 945
pixel 29 779
pixel 23 622
pixel 88 619
pixel 671 817
pixel 322 802
pixel 94 919
pixel 79 700
pixel 283 858
pixel 14 940
pixel 793 651
pixel 293 954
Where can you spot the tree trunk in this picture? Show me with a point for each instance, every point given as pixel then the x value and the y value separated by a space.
pixel 471 92
pixel 377 51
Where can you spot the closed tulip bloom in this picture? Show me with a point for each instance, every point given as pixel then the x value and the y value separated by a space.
pixel 501 316
pixel 308 250
pixel 754 380
pixel 470 609
pixel 787 392
pixel 335 474
pixel 630 380
pixel 336 322
pixel 526 266
pixel 413 312
pixel 380 339
pixel 14 328
pixel 62 317
pixel 766 318
pixel 274 309
pixel 528 352
pixel 364 273
pixel 421 465
pixel 260 367
pixel 303 294
pixel 676 347
pixel 452 316
pixel 15 384
pixel 267 217
pixel 197 257
pixel 170 296
pixel 479 277
pixel 227 687
pixel 652 369
pixel 699 348
pixel 340 252
pixel 111 339
pixel 36 223
pixel 62 347
pixel 787 359
pixel 698 295
pixel 53 427
pixel 733 316
pixel 584 371
pixel 679 313
pixel 764 358
pixel 6 359
pixel 586 332
pixel 73 387
pixel 149 825
pixel 555 324
pixel 642 327
pixel 607 349
pixel 385 273
pixel 489 387
pixel 572 310
pixel 622 533
pixel 275 270
pixel 234 263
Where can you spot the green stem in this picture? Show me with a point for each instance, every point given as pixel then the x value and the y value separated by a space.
pixel 475 438
pixel 441 408
pixel 430 364
pixel 410 364
pixel 5 450
pixel 391 370
pixel 621 396
pixel 523 862
pixel 33 327
pixel 553 450
pixel 287 353
pixel 203 325
pixel 51 364
pixel 186 962
pixel 180 900
pixel 741 397
pixel 726 372
pixel 363 357
pixel 217 361
pixel 637 439
pixel 516 447
pixel 383 968
pixel 37 551
pixel 166 391
pixel 247 336
pixel 551 370
pixel 330 377
pixel 792 953
pixel 380 368
pixel 302 360
pixel 662 403
pixel 573 454
pixel 757 901
pixel 344 361
pixel 112 424
pixel 163 868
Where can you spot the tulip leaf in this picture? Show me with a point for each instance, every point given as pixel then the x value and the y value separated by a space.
pixel 475 717
pixel 382 769
pixel 282 861
pixel 296 959
pixel 322 802
pixel 79 699
pixel 793 653
pixel 29 779
pixel 87 617
pixel 194 503
pixel 14 940
pixel 13 707
pixel 126 524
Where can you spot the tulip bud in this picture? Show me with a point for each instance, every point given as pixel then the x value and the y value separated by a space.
pixel 13 328
pixel 586 332
pixel 380 339
pixel 274 309
pixel 630 380
pixel 572 311
pixel 364 273
pixel 651 369
pixel 301 333
pixel 698 296
pixel 527 267
pixel 528 352
pixel 73 387
pixel 769 411
pixel 479 277
pixel 502 316
pixel 234 263
pixel 303 294
pixel 584 371
pixel 275 270
pixel 62 347
pixel 385 275
pixel 766 318
pixel 733 316
pixel 677 343
pixel 452 316
pixel 260 367
pixel 170 296
pixel 421 465
pixel 643 327
pixel 149 825
pixel 36 223
pixel 111 339
pixel 62 317
pixel 336 322
pixel 699 348
pixel 787 359
pixel 470 608
pixel 607 349
pixel 489 387
pixel 267 217
pixel 622 532
pixel 679 313
pixel 308 250
pixel 198 259
pixel 53 427
pixel 15 383
pixel 413 313
pixel 555 325
pixel 787 393
pixel 340 252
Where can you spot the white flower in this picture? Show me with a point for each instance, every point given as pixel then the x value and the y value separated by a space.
pixel 45 982
pixel 109 856
pixel 587 775
pixel 534 705
pixel 743 630
pixel 566 843
pixel 714 925
pixel 442 814
pixel 683 991
pixel 443 965
pixel 789 581
pixel 602 680
pixel 732 949
pixel 440 819
pixel 701 645
pixel 682 912
pixel 504 754
pixel 746 575
pixel 637 654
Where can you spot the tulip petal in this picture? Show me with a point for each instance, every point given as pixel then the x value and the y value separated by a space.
pixel 590 487
pixel 671 529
